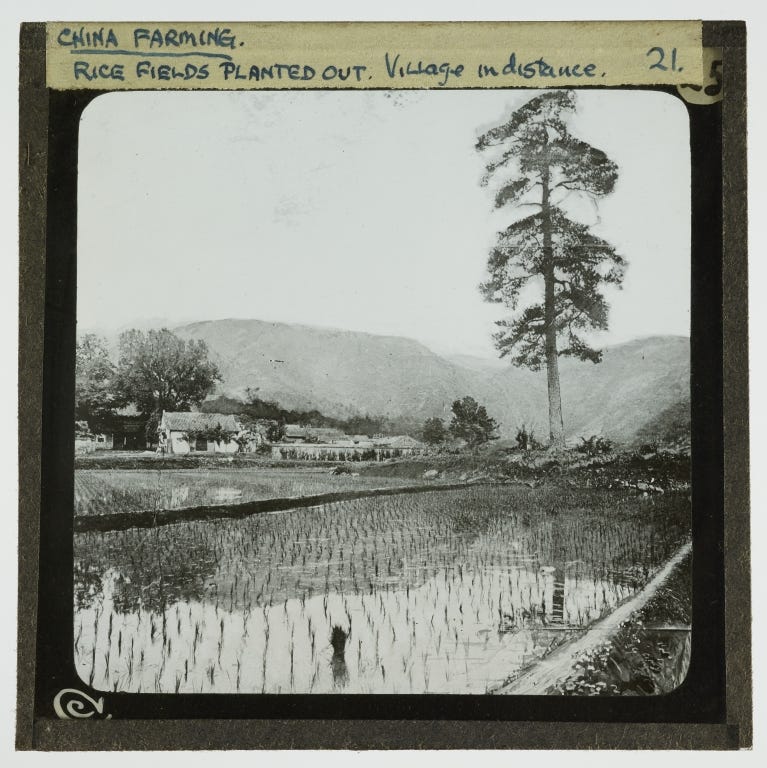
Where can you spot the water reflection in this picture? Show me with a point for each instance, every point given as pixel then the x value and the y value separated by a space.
pixel 338 639
pixel 554 608
pixel 225 495
pixel 267 604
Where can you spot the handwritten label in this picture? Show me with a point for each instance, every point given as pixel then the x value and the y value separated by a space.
pixel 710 90
pixel 130 56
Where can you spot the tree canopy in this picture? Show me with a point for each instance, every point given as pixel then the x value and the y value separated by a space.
pixel 95 394
pixel 159 371
pixel 582 263
pixel 546 267
pixel 471 422
pixel 434 431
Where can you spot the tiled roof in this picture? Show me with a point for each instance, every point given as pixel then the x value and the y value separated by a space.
pixel 322 433
pixel 180 421
pixel 326 432
pixel 405 441
pixel 400 441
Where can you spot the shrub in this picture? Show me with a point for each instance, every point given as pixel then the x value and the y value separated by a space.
pixel 595 445
pixel 526 439
pixel 434 432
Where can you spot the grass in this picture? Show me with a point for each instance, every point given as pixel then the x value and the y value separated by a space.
pixel 645 657
pixel 626 469
pixel 440 592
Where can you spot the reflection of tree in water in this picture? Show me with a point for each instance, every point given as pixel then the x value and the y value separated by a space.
pixel 155 567
pixel 558 598
pixel 88 583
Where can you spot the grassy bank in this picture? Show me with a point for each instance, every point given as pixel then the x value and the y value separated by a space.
pixel 651 472
pixel 650 653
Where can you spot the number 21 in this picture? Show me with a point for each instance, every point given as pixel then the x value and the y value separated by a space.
pixel 661 54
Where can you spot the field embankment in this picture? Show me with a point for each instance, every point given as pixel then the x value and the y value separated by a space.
pixel 650 652
pixel 651 471
pixel 606 657
pixel 149 518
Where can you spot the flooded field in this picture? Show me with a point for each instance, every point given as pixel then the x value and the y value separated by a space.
pixel 443 592
pixel 104 491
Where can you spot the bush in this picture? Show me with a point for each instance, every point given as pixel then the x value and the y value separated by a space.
pixel 526 439
pixel 595 445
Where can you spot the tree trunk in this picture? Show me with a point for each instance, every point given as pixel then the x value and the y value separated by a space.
pixel 556 426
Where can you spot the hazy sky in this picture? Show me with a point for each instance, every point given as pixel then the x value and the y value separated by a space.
pixel 358 210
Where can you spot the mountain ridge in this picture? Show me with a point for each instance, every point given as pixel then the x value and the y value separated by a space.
pixel 352 373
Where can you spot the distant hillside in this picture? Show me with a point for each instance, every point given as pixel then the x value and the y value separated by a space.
pixel 345 373
pixel 475 363
pixel 341 373
pixel 670 427
pixel 634 383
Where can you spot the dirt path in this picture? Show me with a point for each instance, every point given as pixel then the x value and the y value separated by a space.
pixel 558 664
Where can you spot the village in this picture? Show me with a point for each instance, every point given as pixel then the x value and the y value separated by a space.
pixel 183 433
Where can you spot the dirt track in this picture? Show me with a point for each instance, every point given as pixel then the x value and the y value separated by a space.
pixel 558 663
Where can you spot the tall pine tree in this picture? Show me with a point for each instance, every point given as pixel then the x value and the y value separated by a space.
pixel 537 162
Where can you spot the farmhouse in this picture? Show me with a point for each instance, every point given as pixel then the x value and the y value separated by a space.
pixel 85 442
pixel 182 432
pixel 295 433
pixel 402 443
pixel 123 430
pixel 126 431
pixel 349 448
pixel 326 434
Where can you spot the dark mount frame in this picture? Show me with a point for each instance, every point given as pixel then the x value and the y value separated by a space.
pixel 712 709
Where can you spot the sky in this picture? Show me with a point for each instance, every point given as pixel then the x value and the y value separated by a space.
pixel 354 210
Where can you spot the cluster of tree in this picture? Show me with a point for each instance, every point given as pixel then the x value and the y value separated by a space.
pixel 155 371
pixel 253 410
pixel 537 162
pixel 96 395
pixel 470 423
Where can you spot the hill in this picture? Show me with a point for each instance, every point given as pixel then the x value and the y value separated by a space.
pixel 341 373
pixel 347 373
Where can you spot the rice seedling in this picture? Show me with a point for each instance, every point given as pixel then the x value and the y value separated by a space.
pixel 447 592
pixel 104 491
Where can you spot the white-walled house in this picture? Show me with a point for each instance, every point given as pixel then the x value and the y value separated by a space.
pixel 185 432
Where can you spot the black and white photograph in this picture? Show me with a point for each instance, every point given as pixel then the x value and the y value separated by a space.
pixel 383 392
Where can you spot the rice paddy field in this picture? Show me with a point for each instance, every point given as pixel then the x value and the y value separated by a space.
pixel 104 491
pixel 440 592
